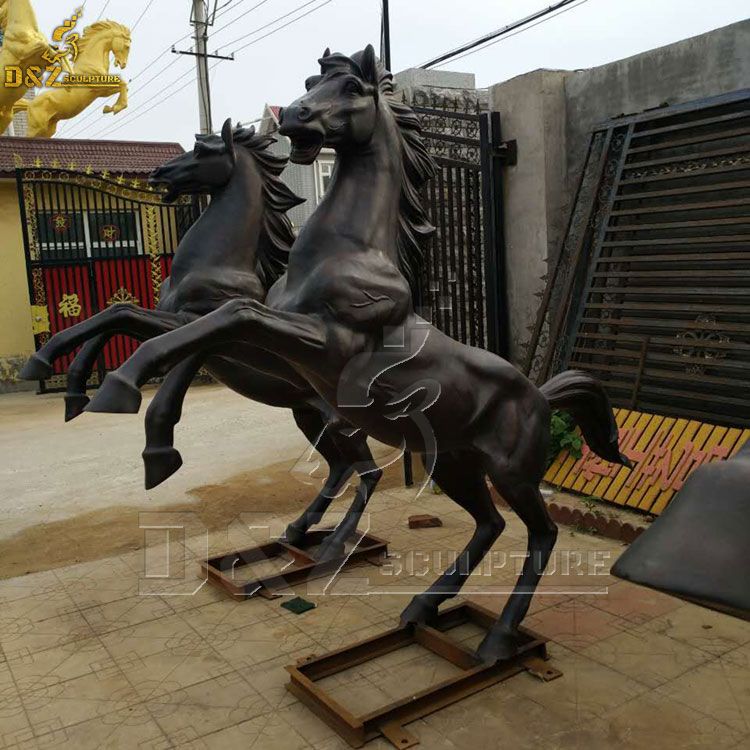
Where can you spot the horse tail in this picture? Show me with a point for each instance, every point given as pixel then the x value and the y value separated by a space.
pixel 585 399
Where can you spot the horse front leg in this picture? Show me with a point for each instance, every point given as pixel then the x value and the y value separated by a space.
pixel 160 458
pixel 121 318
pixel 293 337
pixel 121 103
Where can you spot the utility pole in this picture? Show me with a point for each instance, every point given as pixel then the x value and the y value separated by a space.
pixel 200 23
pixel 201 20
pixel 385 42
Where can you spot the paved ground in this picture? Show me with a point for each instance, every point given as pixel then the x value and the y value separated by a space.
pixel 105 655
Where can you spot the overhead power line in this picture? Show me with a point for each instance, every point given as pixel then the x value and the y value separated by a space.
pixel 143 13
pixel 495 35
pixel 138 111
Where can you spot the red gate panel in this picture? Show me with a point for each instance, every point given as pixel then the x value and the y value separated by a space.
pixel 122 280
pixel 68 302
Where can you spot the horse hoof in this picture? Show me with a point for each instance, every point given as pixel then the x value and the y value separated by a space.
pixel 36 368
pixel 160 464
pixel 498 646
pixel 116 396
pixel 294 536
pixel 420 611
pixel 75 403
pixel 330 550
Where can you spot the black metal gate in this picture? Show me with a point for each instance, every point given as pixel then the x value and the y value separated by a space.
pixel 463 280
pixel 652 289
pixel 92 241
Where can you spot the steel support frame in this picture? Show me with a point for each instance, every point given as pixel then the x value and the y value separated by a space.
pixel 219 570
pixel 389 720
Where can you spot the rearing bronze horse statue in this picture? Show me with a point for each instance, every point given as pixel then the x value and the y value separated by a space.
pixel 238 248
pixel 342 317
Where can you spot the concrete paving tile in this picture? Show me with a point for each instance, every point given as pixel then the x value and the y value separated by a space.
pixel 15 727
pixel 261 642
pixel 129 727
pixel 171 633
pixel 20 587
pixel 198 710
pixel 21 635
pixel 267 732
pixel 496 712
pixel 587 689
pixel 648 657
pixel 720 688
pixel 124 613
pixel 636 604
pixel 654 720
pixel 74 659
pixel 710 631
pixel 54 705
pixel 575 624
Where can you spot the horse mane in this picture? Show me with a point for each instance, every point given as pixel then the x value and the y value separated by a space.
pixel 99 26
pixel 418 166
pixel 277 235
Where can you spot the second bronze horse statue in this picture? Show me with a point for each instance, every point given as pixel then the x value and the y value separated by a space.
pixel 238 248
pixel 342 317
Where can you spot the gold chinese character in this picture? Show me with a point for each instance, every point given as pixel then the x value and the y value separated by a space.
pixel 69 306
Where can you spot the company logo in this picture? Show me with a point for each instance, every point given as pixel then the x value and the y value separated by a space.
pixel 61 57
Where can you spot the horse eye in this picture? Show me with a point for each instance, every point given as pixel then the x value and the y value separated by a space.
pixel 351 87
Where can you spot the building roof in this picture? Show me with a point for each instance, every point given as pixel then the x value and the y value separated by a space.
pixel 127 157
pixel 275 110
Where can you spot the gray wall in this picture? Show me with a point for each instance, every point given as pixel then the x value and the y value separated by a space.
pixel 551 115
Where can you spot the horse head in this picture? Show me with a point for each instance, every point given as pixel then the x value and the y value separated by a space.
pixel 206 169
pixel 116 36
pixel 340 107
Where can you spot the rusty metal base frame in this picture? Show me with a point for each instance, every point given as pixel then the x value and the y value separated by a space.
pixel 389 721
pixel 220 570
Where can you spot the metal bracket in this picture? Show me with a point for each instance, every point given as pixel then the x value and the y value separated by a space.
pixel 507 153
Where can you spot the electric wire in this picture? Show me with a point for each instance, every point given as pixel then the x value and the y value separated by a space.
pixel 504 31
pixel 140 18
pixel 137 113
pixel 519 31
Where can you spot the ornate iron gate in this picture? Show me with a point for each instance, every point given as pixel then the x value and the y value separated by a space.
pixel 652 289
pixel 463 282
pixel 91 241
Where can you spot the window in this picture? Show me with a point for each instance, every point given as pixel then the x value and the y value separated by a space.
pixel 65 235
pixel 111 232
pixel 323 172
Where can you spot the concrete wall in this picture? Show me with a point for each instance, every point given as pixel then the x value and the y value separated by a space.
pixel 532 110
pixel 706 65
pixel 551 115
pixel 16 339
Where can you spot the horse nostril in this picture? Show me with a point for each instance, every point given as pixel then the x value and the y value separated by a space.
pixel 304 114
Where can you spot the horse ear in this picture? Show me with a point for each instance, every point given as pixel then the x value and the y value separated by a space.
pixel 327 52
pixel 227 137
pixel 369 65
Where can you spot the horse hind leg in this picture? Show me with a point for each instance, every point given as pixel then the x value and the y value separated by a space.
pixel 313 425
pixel 503 639
pixel 357 454
pixel 462 478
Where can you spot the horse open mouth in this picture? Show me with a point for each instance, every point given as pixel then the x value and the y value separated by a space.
pixel 306 147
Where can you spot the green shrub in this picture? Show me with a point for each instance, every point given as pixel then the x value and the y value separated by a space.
pixel 563 436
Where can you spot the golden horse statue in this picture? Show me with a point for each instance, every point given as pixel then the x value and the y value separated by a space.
pixel 24 46
pixel 94 48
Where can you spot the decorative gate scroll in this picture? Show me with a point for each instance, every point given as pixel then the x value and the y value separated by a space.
pixel 92 241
